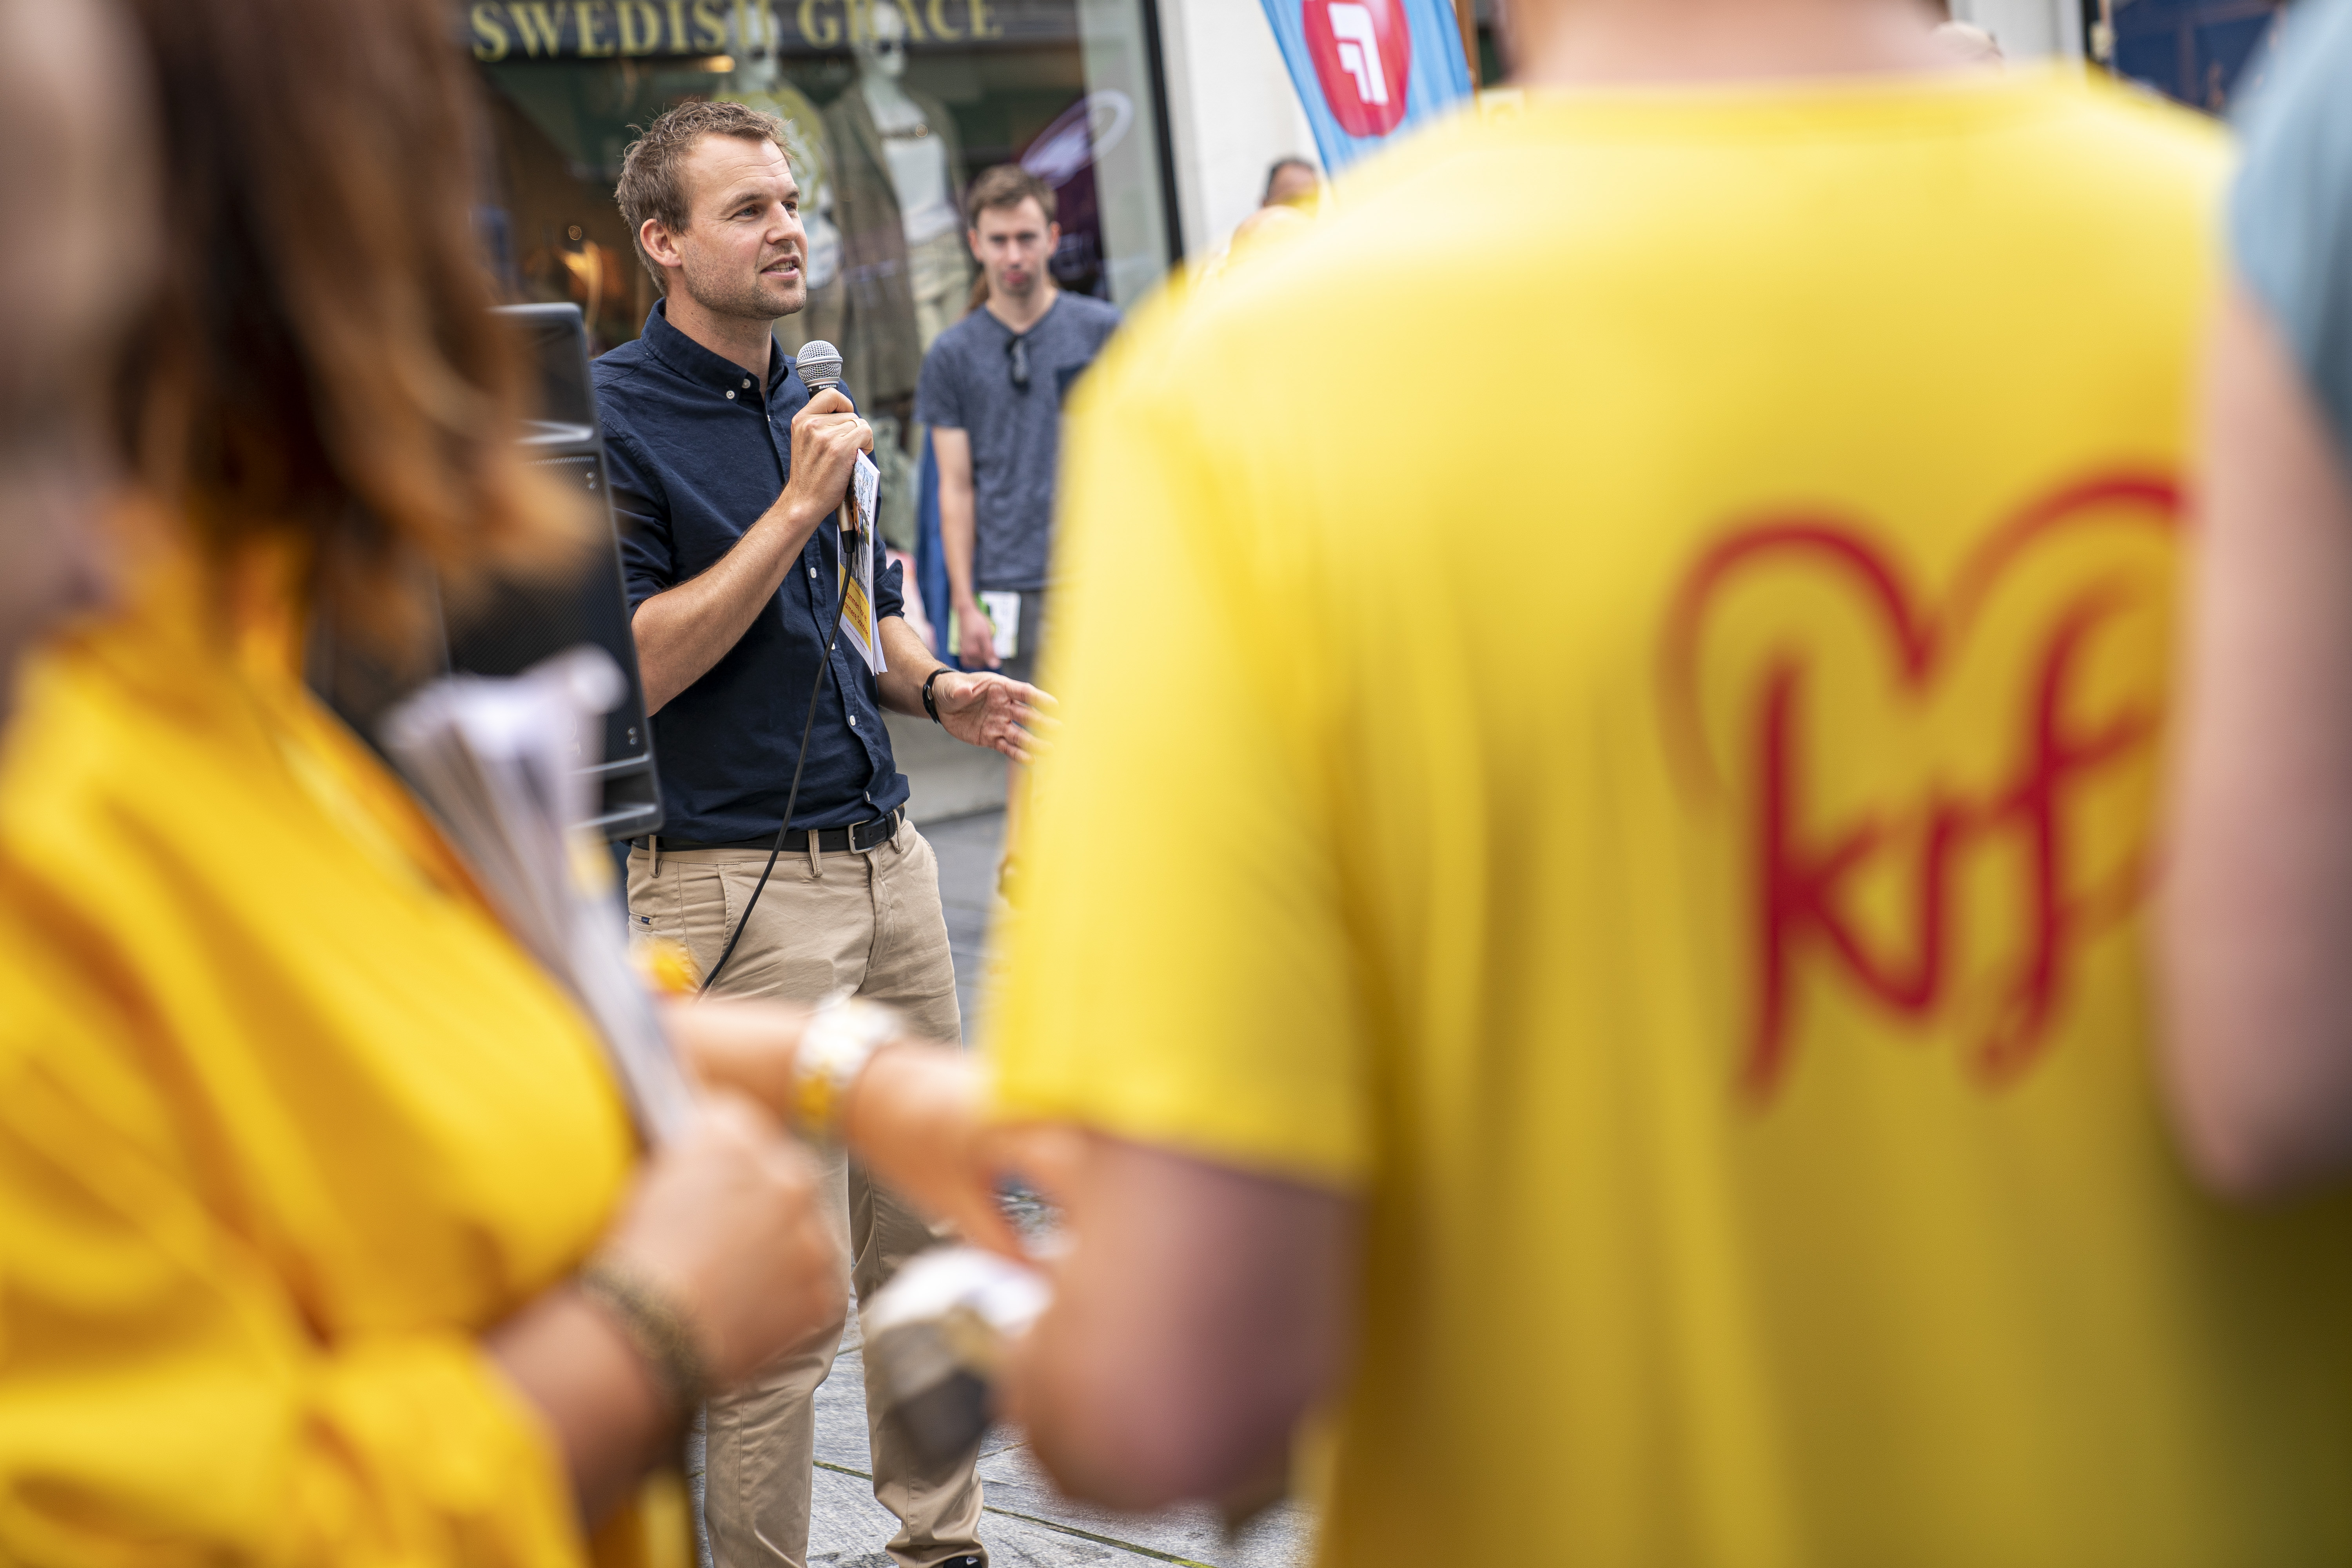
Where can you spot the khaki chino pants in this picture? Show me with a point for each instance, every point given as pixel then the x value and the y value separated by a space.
pixel 865 923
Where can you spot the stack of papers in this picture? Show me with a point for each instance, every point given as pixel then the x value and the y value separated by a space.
pixel 502 765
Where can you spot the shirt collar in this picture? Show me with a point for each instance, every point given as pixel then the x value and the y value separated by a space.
pixel 1007 332
pixel 699 365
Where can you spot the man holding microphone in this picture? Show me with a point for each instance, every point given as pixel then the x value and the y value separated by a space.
pixel 727 475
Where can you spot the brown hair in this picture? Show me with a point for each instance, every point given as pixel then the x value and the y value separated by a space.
pixel 1006 186
pixel 650 184
pixel 319 368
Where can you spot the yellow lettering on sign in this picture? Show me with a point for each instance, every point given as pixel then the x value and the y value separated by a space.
pixel 709 28
pixel 645 36
pixel 590 48
pixel 940 28
pixel 824 36
pixel 914 15
pixel 979 22
pixel 861 20
pixel 491 41
pixel 540 34
pixel 677 26
pixel 746 27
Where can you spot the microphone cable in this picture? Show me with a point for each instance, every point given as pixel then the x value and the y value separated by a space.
pixel 792 796
pixel 819 368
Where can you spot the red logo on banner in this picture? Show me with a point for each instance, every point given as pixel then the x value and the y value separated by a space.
pixel 1363 52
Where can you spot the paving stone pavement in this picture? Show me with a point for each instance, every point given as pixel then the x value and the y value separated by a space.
pixel 1027 1525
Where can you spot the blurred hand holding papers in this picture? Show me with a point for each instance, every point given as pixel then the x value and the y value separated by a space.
pixel 501 763
pixel 858 618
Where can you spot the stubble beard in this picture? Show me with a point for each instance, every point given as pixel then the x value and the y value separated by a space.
pixel 752 298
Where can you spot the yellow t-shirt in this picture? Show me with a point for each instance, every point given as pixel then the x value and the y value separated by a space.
pixel 285 1122
pixel 1646 776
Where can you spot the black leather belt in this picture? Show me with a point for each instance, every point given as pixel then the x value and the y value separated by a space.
pixel 854 840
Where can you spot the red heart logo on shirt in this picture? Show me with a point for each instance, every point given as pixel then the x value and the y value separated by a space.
pixel 1937 797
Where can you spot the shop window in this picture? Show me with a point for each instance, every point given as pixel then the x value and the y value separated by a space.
pixel 892 106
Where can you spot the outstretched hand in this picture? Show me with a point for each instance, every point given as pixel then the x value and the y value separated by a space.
pixel 985 708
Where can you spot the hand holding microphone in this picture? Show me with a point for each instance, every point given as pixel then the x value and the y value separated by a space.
pixel 828 436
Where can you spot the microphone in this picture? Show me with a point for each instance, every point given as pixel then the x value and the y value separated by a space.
pixel 819 363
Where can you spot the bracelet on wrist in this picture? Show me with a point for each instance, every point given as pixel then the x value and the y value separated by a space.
pixel 655 1328
pixel 842 1036
pixel 930 706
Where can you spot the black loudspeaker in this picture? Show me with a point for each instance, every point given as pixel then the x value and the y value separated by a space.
pixel 518 627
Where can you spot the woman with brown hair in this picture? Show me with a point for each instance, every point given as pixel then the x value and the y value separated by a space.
pixel 323 1233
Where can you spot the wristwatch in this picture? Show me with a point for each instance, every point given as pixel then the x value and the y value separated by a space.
pixel 930 706
pixel 842 1036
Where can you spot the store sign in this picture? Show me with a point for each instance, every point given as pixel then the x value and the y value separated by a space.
pixel 1364 69
pixel 507 30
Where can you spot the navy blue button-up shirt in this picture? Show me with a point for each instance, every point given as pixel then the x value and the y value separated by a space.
pixel 698 451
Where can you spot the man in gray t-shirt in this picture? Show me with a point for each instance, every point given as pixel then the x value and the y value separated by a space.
pixel 991 391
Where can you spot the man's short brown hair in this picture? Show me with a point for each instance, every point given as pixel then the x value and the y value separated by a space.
pixel 1006 186
pixel 651 187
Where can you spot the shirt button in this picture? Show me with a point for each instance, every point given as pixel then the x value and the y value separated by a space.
pixel 747 381
pixel 731 397
pixel 853 721
pixel 812 571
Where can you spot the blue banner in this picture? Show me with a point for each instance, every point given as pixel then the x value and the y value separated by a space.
pixel 1366 69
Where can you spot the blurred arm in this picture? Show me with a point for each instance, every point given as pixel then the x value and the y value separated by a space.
pixel 2257 924
pixel 1201 1311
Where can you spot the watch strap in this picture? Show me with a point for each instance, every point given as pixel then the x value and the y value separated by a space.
pixel 842 1036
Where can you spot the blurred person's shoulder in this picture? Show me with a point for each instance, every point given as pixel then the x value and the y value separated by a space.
pixel 2291 213
pixel 2136 145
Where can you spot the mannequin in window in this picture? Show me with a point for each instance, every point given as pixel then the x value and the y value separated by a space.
pixel 758 82
pixel 897 180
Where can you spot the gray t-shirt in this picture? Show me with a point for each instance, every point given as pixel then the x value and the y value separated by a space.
pixel 969 384
pixel 2291 215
